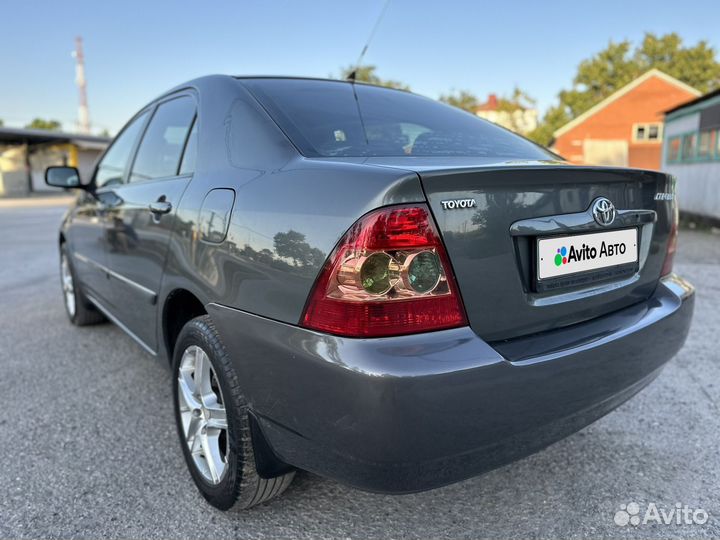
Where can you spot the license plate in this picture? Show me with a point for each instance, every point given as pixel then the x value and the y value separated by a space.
pixel 565 255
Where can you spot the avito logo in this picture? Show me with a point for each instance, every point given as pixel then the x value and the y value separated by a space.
pixel 561 256
pixel 587 253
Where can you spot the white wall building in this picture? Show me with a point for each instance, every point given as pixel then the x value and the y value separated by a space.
pixel 692 154
pixel 25 153
pixel 521 120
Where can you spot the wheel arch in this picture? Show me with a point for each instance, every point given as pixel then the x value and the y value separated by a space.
pixel 180 306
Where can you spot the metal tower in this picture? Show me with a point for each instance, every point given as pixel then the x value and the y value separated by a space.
pixel 83 112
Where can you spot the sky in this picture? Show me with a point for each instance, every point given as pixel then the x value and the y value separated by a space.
pixel 137 50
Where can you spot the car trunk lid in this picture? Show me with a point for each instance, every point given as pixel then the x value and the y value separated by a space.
pixel 492 241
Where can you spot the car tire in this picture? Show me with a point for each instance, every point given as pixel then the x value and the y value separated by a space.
pixel 78 308
pixel 229 479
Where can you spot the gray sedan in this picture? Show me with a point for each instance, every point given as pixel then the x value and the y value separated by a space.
pixel 368 284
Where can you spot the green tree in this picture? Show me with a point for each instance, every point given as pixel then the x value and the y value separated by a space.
pixel 554 118
pixel 292 245
pixel 519 99
pixel 367 73
pixel 695 66
pixel 39 123
pixel 1 122
pixel 618 64
pixel 466 100
pixel 462 99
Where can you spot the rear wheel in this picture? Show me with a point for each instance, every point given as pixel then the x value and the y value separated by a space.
pixel 213 425
pixel 78 308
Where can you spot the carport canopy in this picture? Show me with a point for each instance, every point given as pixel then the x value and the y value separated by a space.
pixel 21 180
pixel 12 136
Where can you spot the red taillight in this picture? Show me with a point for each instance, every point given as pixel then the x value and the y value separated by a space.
pixel 672 244
pixel 389 275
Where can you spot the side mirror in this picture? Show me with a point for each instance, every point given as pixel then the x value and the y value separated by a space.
pixel 63 177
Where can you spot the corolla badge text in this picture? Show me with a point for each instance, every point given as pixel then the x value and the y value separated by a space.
pixel 453 204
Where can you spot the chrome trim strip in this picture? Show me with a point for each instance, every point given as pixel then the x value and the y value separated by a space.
pixel 120 325
pixel 147 292
pixel 86 260
pixel 152 296
pixel 591 290
pixel 579 223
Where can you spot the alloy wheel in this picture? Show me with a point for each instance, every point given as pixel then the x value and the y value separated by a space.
pixel 67 285
pixel 203 415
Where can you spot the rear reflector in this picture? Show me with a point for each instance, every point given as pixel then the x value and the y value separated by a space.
pixel 390 275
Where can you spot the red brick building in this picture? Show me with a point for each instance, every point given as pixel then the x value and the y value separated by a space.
pixel 626 128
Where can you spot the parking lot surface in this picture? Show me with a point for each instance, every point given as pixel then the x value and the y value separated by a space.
pixel 89 448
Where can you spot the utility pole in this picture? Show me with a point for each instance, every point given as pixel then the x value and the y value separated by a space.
pixel 83 113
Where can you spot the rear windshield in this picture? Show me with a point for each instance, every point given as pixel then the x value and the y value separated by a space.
pixel 329 118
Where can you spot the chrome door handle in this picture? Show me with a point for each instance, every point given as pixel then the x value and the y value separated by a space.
pixel 160 207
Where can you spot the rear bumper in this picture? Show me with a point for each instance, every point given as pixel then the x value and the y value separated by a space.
pixel 416 412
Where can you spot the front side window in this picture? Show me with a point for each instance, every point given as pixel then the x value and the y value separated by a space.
pixel 112 166
pixel 164 140
pixel 333 118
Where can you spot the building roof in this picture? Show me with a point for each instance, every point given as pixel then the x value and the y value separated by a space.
pixel 695 101
pixel 38 136
pixel 620 93
pixel 490 105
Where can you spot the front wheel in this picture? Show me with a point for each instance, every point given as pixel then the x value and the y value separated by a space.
pixel 212 422
pixel 78 308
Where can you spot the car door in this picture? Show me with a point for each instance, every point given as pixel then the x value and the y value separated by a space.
pixel 88 238
pixel 141 221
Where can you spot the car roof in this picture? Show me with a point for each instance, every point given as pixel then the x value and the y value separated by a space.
pixel 206 79
pixel 315 79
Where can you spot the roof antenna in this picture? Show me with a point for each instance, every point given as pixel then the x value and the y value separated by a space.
pixel 353 74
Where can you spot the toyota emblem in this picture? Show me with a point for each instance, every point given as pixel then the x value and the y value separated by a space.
pixel 603 211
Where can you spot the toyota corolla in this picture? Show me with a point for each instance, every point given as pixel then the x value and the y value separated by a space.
pixel 368 284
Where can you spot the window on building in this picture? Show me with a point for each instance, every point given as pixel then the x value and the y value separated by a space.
pixel 688 146
pixel 717 144
pixel 705 144
pixel 647 132
pixel 674 148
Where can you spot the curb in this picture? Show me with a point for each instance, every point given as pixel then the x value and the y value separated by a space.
pixel 36 202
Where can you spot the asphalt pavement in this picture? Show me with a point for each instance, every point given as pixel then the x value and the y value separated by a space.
pixel 89 448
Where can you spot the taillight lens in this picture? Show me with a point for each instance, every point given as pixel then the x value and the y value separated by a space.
pixel 389 275
pixel 672 243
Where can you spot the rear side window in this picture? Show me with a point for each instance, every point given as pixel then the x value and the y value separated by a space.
pixel 112 166
pixel 332 118
pixel 164 140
